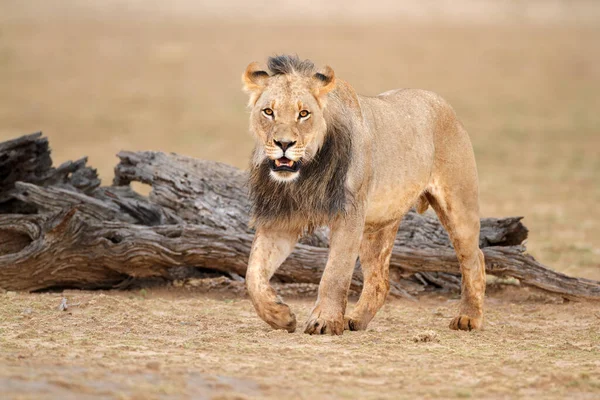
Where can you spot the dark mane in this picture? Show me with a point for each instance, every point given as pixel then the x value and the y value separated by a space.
pixel 317 196
pixel 286 64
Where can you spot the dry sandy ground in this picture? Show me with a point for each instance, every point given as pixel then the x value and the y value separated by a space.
pixel 172 343
pixel 99 77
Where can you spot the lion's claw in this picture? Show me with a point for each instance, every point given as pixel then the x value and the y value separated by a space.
pixel 466 323
pixel 321 326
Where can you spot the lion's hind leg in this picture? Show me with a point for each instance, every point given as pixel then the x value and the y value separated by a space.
pixel 454 195
pixel 375 252
pixel 462 226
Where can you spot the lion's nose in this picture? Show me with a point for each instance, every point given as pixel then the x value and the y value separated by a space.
pixel 284 145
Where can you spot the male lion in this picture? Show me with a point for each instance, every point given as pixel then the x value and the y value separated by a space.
pixel 325 155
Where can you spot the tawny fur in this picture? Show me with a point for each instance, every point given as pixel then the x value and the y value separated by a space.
pixel 384 154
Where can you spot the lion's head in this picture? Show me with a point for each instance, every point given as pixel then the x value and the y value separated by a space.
pixel 287 113
pixel 303 130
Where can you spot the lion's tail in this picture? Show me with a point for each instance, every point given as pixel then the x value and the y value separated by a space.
pixel 422 204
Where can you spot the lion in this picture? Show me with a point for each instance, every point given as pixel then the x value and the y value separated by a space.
pixel 326 156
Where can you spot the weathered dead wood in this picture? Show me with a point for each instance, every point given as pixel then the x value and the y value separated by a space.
pixel 70 250
pixel 27 159
pixel 197 215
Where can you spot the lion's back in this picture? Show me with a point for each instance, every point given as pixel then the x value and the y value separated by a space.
pixel 404 115
pixel 422 112
pixel 421 100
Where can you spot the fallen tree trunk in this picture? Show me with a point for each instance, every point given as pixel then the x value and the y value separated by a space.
pixel 68 250
pixel 86 236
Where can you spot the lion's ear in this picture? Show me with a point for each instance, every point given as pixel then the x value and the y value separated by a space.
pixel 325 82
pixel 254 80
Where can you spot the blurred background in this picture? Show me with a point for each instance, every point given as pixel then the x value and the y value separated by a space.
pixel 524 77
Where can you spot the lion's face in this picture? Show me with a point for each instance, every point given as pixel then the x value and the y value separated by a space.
pixel 288 124
pixel 287 118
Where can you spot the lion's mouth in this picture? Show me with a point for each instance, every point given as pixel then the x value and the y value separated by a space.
pixel 284 164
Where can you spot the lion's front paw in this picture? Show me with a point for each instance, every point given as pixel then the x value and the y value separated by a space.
pixel 466 323
pixel 278 315
pixel 320 325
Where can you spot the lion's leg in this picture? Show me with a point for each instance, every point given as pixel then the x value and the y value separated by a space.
pixel 327 317
pixel 454 196
pixel 269 251
pixel 375 252
pixel 463 228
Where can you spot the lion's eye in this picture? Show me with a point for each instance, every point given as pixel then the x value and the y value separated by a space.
pixel 268 112
pixel 304 114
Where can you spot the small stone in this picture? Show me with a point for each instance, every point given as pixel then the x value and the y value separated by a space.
pixel 426 336
pixel 63 306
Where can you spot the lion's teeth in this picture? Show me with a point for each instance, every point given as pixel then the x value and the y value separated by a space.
pixel 287 163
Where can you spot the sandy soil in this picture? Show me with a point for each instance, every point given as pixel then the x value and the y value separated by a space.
pixel 99 77
pixel 173 342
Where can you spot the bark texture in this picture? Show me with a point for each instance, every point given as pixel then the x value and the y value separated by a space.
pixel 60 228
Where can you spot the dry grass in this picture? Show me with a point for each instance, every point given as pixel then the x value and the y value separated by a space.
pixel 98 82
